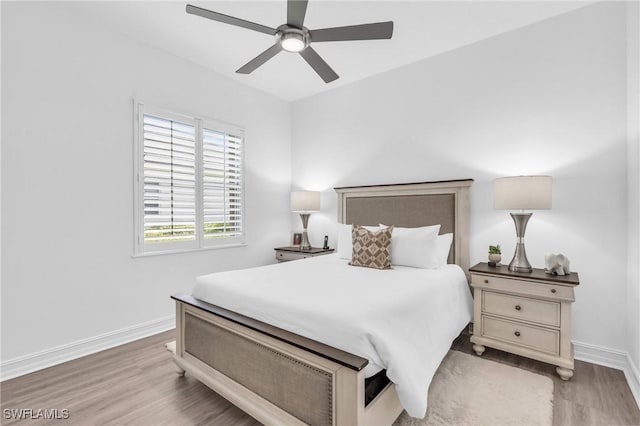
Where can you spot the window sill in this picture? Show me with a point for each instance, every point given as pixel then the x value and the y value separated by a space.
pixel 165 252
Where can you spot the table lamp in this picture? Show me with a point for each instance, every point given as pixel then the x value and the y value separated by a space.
pixel 521 193
pixel 305 203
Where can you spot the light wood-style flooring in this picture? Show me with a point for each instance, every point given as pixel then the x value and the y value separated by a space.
pixel 135 384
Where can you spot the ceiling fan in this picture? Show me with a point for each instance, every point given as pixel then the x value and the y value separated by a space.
pixel 295 37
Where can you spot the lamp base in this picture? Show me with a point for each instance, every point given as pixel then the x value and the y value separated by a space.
pixel 520 263
pixel 305 245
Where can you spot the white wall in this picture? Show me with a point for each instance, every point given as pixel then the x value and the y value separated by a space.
pixel 67 270
pixel 633 137
pixel 546 99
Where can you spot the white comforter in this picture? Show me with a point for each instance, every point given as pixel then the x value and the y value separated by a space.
pixel 402 320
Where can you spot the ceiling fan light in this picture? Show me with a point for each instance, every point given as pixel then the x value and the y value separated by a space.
pixel 293 42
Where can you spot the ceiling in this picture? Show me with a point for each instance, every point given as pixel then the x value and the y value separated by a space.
pixel 421 29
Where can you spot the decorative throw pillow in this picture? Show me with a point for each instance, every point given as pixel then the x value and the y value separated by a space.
pixel 345 240
pixel 371 249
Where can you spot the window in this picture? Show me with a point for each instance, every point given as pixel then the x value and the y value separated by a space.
pixel 188 182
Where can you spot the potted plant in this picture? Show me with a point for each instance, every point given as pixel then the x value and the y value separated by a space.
pixel 495 255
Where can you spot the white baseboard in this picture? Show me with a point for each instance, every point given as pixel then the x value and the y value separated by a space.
pixel 633 378
pixel 610 358
pixel 50 357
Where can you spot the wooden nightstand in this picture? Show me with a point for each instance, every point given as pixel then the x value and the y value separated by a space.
pixel 285 254
pixel 528 314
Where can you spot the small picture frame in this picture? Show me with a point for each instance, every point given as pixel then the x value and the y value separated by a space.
pixel 297 238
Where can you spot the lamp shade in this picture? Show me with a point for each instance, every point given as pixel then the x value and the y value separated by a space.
pixel 522 192
pixel 305 201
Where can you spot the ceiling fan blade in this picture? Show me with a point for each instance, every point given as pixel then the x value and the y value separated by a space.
pixel 215 16
pixel 377 31
pixel 296 10
pixel 319 65
pixel 253 64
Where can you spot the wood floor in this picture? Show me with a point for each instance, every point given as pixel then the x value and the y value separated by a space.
pixel 595 395
pixel 135 384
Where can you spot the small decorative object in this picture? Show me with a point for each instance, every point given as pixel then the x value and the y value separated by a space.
pixel 326 243
pixel 556 264
pixel 297 238
pixel 495 255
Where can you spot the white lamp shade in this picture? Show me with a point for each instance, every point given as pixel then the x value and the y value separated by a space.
pixel 305 201
pixel 522 193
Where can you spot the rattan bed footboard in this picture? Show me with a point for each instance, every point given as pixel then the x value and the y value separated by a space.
pixel 275 376
pixel 263 370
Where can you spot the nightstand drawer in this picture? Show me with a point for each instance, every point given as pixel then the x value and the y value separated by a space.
pixel 283 256
pixel 521 308
pixel 526 288
pixel 540 339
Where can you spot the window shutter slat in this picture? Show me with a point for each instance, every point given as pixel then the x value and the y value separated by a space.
pixel 222 183
pixel 169 195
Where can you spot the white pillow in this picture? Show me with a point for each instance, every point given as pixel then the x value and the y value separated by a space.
pixel 433 253
pixel 345 241
pixel 443 246
pixel 409 245
pixel 431 230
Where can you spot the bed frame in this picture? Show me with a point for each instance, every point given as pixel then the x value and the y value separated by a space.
pixel 281 378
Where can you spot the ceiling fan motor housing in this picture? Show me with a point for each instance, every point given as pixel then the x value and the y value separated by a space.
pixel 293 39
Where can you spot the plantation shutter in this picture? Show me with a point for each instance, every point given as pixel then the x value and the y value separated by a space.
pixel 169 180
pixel 189 189
pixel 222 184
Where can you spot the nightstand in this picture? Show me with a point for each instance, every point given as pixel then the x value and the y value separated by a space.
pixel 285 254
pixel 528 314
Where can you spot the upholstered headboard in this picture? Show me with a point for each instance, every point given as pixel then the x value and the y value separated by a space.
pixel 411 205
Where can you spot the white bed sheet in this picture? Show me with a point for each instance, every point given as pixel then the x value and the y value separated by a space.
pixel 402 320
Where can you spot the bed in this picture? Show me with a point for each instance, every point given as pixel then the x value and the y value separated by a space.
pixel 279 372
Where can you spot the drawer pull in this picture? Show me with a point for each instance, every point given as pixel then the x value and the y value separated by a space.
pixel 553 290
pixel 518 307
pixel 517 333
pixel 486 281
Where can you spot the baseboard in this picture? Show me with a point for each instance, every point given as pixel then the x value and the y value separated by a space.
pixel 610 358
pixel 633 378
pixel 50 357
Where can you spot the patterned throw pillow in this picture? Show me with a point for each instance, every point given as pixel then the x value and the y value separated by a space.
pixel 371 249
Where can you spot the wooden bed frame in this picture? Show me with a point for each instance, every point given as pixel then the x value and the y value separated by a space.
pixel 281 378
